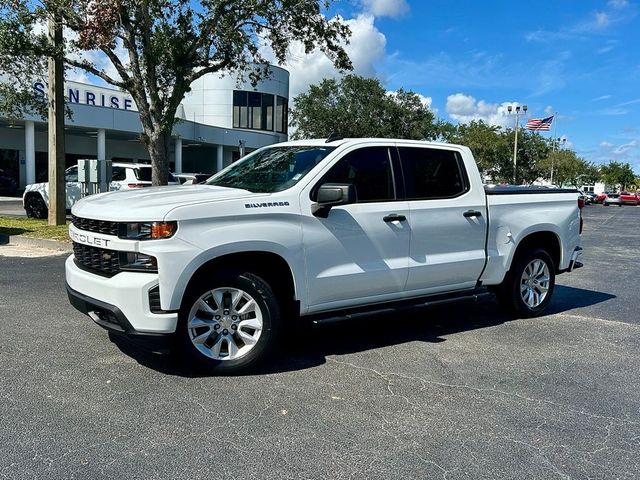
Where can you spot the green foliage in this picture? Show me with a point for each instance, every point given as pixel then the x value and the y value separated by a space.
pixel 360 107
pixel 618 173
pixel 22 59
pixel 168 44
pixel 490 148
pixel 569 169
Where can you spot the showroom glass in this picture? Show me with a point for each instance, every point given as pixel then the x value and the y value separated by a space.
pixel 431 173
pixel 271 169
pixel 255 110
pixel 369 170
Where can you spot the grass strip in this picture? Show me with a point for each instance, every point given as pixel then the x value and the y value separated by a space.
pixel 33 228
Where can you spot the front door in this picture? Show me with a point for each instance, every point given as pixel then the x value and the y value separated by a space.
pixel 359 253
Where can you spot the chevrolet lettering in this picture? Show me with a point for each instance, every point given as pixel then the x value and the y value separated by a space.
pixel 88 239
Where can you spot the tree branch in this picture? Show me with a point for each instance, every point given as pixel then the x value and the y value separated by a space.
pixel 87 67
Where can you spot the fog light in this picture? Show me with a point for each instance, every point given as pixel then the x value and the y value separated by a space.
pixel 138 261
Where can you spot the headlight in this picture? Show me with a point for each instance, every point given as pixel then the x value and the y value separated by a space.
pixel 138 261
pixel 147 230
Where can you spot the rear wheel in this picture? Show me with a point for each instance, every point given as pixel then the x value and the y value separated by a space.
pixel 230 324
pixel 528 287
pixel 35 207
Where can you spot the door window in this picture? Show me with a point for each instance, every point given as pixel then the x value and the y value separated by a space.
pixel 118 174
pixel 369 170
pixel 431 173
pixel 71 175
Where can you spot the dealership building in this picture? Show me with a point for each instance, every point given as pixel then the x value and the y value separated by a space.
pixel 220 117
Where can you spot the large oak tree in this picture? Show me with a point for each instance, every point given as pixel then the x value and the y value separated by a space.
pixel 167 44
pixel 356 106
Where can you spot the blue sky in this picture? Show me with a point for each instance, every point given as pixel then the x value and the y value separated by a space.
pixel 470 58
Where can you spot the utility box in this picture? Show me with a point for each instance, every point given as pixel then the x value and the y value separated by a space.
pixel 94 175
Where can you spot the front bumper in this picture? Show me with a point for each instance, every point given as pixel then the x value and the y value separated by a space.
pixel 119 303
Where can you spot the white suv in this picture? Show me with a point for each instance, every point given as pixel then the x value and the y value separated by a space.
pixel 124 176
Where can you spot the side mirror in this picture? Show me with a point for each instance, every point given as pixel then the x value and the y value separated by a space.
pixel 331 195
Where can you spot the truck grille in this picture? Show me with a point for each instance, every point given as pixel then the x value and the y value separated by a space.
pixel 100 260
pixel 96 226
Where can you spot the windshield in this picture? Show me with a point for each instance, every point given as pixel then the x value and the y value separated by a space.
pixel 272 169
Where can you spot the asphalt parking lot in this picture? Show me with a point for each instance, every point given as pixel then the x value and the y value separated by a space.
pixel 456 392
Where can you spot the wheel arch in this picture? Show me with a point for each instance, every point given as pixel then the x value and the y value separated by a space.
pixel 547 240
pixel 270 266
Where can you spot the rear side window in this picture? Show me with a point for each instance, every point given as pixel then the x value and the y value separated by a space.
pixel 118 174
pixel 143 173
pixel 71 175
pixel 431 173
pixel 369 170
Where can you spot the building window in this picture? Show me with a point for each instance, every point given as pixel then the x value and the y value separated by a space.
pixel 254 110
pixel 281 115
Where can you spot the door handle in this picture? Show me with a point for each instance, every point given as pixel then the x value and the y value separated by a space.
pixel 394 217
pixel 472 213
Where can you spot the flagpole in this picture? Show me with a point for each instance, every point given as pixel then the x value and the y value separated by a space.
pixel 553 142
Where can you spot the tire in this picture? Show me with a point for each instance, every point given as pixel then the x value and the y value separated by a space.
pixel 35 207
pixel 528 287
pixel 229 324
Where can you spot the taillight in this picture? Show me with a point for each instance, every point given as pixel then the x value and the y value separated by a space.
pixel 580 207
pixel 135 185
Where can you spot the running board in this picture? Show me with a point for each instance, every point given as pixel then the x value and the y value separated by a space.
pixel 359 312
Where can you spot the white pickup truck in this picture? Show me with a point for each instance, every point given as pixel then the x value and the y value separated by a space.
pixel 313 230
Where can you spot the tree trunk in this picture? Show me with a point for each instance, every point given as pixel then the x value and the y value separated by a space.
pixel 158 146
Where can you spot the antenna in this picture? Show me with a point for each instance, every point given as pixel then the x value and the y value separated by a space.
pixel 333 137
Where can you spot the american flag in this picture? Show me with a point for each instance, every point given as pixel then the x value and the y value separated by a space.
pixel 539 123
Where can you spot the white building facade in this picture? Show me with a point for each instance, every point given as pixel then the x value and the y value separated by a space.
pixel 218 118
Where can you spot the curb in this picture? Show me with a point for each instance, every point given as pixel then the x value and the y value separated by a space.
pixel 19 240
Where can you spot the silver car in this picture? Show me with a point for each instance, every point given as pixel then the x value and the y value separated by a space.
pixel 612 199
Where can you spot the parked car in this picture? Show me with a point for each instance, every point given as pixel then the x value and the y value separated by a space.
pixel 314 230
pixel 627 198
pixel 600 197
pixel 124 176
pixel 8 185
pixel 612 199
pixel 590 198
pixel 586 197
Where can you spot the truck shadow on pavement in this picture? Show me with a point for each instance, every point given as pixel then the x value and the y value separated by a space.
pixel 310 345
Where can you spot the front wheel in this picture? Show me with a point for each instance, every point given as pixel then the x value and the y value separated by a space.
pixel 527 289
pixel 231 324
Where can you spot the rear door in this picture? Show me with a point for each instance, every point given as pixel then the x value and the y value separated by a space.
pixel 447 219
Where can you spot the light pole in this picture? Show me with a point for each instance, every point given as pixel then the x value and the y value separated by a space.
pixel 515 143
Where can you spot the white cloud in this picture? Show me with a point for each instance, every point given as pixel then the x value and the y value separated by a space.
pixel 605 144
pixel 603 97
pixel 624 148
pixel 465 108
pixel 601 19
pixel 549 110
pixel 386 8
pixel 618 3
pixel 366 47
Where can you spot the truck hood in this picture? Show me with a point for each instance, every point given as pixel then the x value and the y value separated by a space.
pixel 152 203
